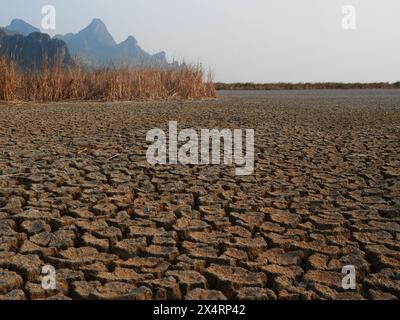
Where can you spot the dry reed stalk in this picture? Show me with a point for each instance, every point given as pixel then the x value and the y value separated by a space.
pixel 57 83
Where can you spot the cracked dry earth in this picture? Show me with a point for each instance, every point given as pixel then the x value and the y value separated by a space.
pixel 77 193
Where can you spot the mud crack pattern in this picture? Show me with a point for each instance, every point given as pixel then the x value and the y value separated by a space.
pixel 77 193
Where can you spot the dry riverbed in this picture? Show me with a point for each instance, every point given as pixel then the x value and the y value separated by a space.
pixel 77 193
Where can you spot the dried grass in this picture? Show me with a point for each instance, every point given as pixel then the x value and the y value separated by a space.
pixel 57 83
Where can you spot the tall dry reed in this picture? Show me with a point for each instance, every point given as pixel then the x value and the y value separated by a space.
pixel 57 83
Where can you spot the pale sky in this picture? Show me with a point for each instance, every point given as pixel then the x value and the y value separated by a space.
pixel 245 40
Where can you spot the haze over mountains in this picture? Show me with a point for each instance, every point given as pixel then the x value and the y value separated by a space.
pixel 93 46
pixel 30 51
pixel 20 26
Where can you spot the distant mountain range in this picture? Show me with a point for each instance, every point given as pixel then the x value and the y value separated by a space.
pixel 30 51
pixel 20 26
pixel 93 46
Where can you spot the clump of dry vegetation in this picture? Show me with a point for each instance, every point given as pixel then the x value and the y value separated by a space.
pixel 305 86
pixel 57 83
pixel 9 79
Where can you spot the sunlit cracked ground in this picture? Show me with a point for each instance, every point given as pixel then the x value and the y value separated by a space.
pixel 77 193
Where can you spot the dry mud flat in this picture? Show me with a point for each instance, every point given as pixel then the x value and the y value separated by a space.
pixel 77 193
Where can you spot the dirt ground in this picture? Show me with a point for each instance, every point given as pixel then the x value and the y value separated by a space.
pixel 77 193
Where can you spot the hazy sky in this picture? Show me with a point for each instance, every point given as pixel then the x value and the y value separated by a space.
pixel 246 40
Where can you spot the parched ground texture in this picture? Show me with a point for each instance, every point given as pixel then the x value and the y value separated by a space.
pixel 77 193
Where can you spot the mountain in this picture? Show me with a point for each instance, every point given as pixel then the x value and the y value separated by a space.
pixel 30 51
pixel 95 46
pixel 22 27
pixel 91 41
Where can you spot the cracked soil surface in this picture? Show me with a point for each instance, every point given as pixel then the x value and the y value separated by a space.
pixel 77 193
